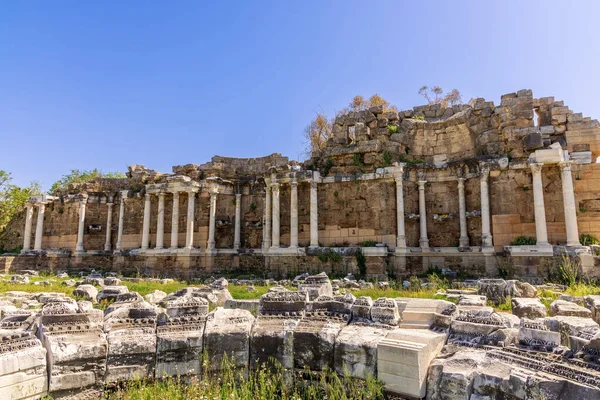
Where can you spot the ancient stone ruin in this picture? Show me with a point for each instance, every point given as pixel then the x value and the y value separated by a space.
pixel 468 189
pixel 416 347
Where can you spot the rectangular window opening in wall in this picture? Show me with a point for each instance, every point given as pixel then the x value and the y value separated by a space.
pixel 536 117
pixel 352 134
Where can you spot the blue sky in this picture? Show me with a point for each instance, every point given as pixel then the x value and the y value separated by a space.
pixel 105 84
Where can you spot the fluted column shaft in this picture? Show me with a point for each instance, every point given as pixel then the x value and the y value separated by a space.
pixel 39 228
pixel 486 234
pixel 400 228
pixel 276 216
pixel 238 221
pixel 294 214
pixel 121 220
pixel 569 205
pixel 175 221
pixel 160 222
pixel 82 204
pixel 462 212
pixel 27 233
pixel 146 222
pixel 423 240
pixel 107 244
pixel 189 233
pixel 210 244
pixel 541 230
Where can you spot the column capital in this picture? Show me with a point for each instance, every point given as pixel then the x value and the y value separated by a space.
pixel 275 187
pixel 484 172
pixel 536 168
pixel 124 193
pixel 83 197
pixel 565 165
pixel 147 197
pixel 161 195
pixel 422 184
pixel 110 204
pixel 238 195
pixel 294 183
pixel 461 181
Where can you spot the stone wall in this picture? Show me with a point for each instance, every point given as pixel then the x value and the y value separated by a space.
pixel 356 190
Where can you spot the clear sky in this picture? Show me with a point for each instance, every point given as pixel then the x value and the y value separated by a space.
pixel 105 84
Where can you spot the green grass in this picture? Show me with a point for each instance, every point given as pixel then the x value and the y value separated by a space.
pixel 264 383
pixel 392 293
pixel 145 287
pixel 55 286
pixel 240 292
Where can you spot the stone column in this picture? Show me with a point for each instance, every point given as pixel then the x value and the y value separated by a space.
pixel 400 228
pixel 189 233
pixel 423 240
pixel 569 204
pixel 27 234
pixel 146 222
pixel 267 222
pixel 541 231
pixel 462 211
pixel 486 234
pixel 276 215
pixel 314 210
pixel 121 219
pixel 107 244
pixel 294 214
pixel 39 228
pixel 160 222
pixel 82 204
pixel 175 222
pixel 238 220
pixel 210 243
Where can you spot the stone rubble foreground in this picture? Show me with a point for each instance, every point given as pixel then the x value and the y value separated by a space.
pixel 417 347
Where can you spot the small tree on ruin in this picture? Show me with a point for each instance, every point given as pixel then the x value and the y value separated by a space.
pixel 435 95
pixel 317 132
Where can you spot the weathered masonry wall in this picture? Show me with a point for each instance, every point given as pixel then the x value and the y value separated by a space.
pixel 431 187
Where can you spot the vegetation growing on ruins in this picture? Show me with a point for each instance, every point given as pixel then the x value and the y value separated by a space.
pixel 81 176
pixel 588 240
pixel 12 200
pixel 264 383
pixel 524 241
pixel 435 95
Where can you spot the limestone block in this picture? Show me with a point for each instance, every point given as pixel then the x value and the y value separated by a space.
pixel 314 337
pixel 316 285
pixel 155 297
pixel 535 334
pixel 592 303
pixel 361 309
pixel 515 288
pixel 111 292
pixel 248 305
pixel 228 332
pixel 131 335
pixel 493 289
pixel 385 311
pixel 356 349
pixel 403 359
pixel 23 373
pixel 569 326
pixel 76 348
pixel 86 292
pixel 528 308
pixel 567 308
pixel 273 337
pixel 179 336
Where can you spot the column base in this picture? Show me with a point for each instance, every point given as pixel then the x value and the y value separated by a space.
pixel 574 244
pixel 424 243
pixel 463 242
pixel 401 250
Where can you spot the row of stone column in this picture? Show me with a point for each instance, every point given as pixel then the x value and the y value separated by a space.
pixel 189 236
pixel 423 237
pixel 271 232
pixel 272 221
pixel 568 204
